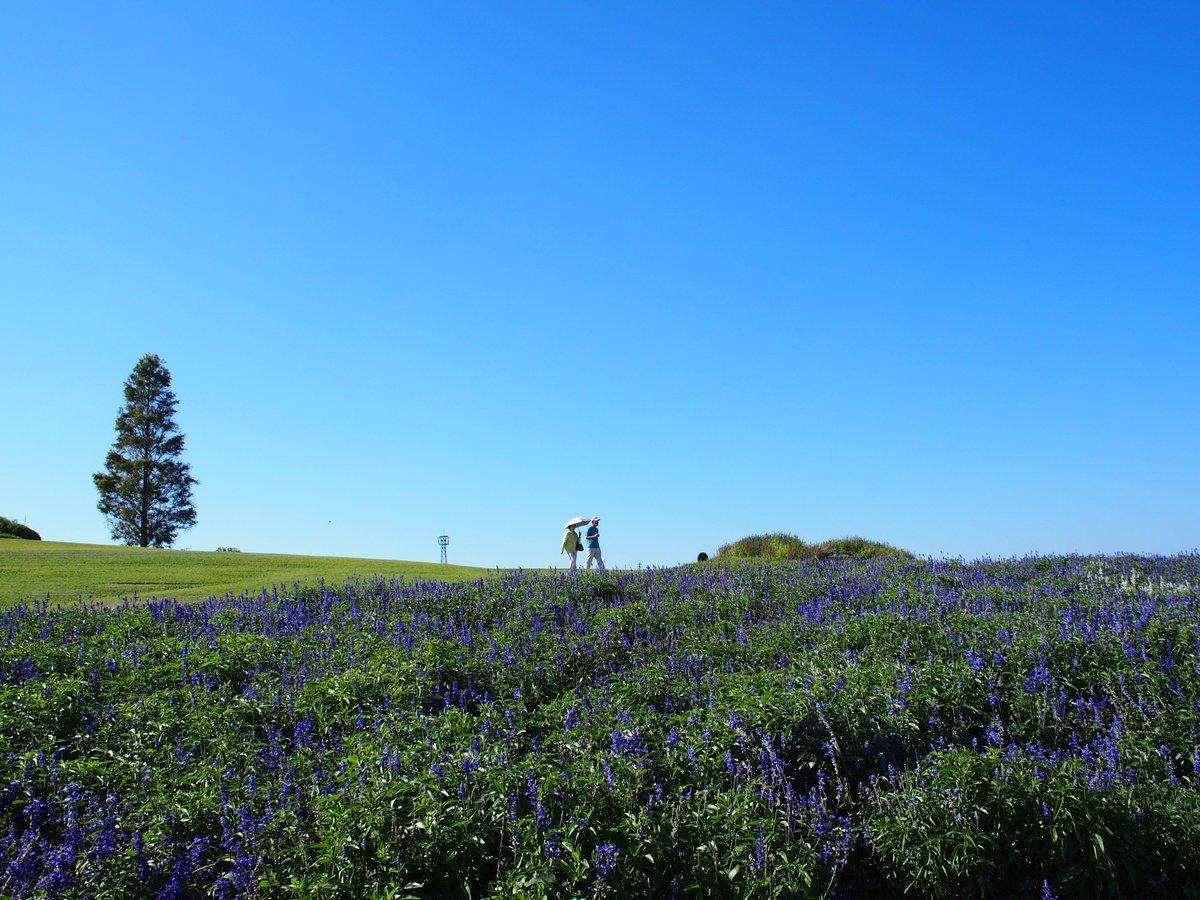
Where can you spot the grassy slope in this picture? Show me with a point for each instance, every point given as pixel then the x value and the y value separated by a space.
pixel 30 569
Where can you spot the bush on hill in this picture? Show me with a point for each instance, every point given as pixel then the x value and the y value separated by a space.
pixel 766 546
pixel 860 548
pixel 780 547
pixel 16 529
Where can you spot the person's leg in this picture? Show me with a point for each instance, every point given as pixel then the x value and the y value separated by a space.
pixel 591 555
pixel 571 554
pixel 599 561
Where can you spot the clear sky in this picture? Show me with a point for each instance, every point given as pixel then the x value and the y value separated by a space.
pixel 928 273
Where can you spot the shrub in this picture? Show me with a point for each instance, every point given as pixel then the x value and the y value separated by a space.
pixel 16 529
pixel 859 548
pixel 780 546
pixel 766 546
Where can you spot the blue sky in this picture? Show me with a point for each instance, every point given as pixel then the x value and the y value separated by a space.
pixel 927 273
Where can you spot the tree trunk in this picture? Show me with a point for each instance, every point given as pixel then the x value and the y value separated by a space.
pixel 144 524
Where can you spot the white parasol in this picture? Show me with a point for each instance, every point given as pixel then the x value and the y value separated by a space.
pixel 578 520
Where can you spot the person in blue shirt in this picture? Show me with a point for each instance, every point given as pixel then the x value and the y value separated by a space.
pixel 591 540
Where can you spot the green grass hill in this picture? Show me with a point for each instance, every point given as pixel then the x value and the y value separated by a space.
pixel 97 572
pixel 781 547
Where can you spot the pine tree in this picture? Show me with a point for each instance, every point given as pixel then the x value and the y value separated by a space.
pixel 145 490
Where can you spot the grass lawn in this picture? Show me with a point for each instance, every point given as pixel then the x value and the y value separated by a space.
pixel 33 569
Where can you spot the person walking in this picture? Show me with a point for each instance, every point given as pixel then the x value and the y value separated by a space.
pixel 571 544
pixel 591 540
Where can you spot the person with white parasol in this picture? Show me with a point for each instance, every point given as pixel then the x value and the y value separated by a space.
pixel 571 544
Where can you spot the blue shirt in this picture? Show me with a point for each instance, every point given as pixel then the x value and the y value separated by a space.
pixel 592 538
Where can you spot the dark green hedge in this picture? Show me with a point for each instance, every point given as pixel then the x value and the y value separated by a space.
pixel 16 529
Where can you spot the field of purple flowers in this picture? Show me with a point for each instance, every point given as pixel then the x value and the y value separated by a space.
pixel 1018 728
